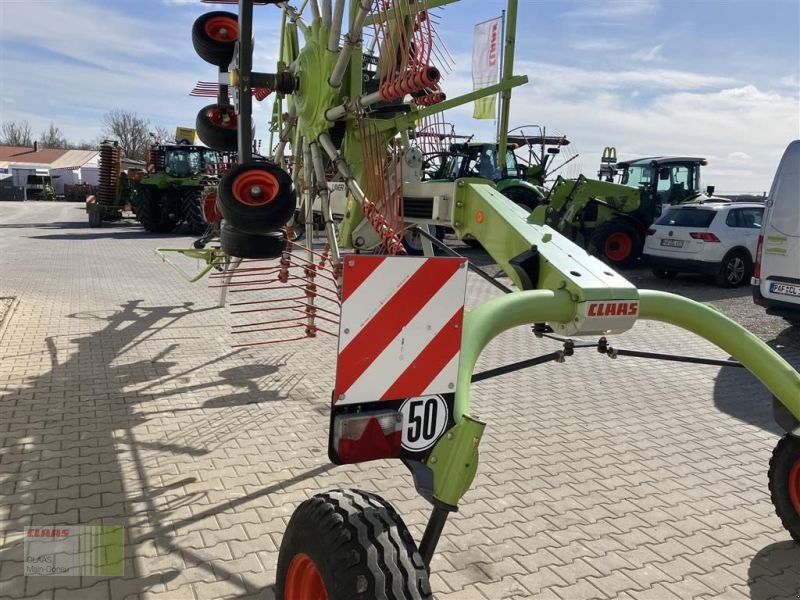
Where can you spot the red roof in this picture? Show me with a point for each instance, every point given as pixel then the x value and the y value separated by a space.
pixel 20 154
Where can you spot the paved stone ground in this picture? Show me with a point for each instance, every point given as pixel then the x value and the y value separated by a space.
pixel 122 401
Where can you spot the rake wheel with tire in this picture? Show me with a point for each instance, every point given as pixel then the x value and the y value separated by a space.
pixel 784 483
pixel 349 545
pixel 216 126
pixel 214 37
pixel 251 245
pixel 256 197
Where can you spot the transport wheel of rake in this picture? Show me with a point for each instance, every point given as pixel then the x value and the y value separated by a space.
pixel 734 270
pixel 617 241
pixel 257 197
pixel 412 241
pixel 214 37
pixel 348 544
pixel 216 126
pixel 784 483
pixel 664 273
pixel 251 245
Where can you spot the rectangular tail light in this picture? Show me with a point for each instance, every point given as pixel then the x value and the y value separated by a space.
pixel 364 436
pixel 651 231
pixel 759 248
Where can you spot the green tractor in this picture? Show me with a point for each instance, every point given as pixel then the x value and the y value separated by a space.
pixel 170 193
pixel 480 160
pixel 611 218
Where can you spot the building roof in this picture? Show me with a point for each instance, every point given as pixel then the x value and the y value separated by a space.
pixel 48 158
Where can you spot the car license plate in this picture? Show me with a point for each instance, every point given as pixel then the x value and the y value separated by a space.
pixel 784 288
pixel 672 243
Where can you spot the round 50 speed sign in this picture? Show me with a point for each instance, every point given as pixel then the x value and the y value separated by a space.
pixel 424 421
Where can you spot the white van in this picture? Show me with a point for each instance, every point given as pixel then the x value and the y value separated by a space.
pixel 776 276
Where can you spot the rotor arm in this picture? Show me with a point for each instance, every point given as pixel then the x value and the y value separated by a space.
pixel 351 41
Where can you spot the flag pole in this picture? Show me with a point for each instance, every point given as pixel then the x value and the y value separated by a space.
pixel 497 116
pixel 508 72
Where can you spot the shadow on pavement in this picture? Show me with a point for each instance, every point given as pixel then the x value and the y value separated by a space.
pixel 775 572
pixel 739 394
pixel 71 454
pixel 116 235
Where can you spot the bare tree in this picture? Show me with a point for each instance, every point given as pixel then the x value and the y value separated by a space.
pixel 53 138
pixel 16 133
pixel 131 131
pixel 162 135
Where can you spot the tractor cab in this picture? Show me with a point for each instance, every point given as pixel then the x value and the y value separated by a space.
pixel 181 161
pixel 479 160
pixel 662 180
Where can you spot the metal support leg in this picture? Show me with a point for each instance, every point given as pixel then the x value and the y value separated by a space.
pixel 245 67
pixel 433 532
pixel 427 245
pixel 231 264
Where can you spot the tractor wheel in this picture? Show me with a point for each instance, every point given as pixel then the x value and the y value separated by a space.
pixel 349 545
pixel 734 270
pixel 257 197
pixel 95 218
pixel 150 213
pixel 522 197
pixel 784 483
pixel 217 127
pixel 251 245
pixel 214 37
pixel 193 213
pixel 617 241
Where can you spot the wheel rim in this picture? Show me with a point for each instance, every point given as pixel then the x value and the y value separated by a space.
pixel 303 580
pixel 618 246
pixel 734 270
pixel 413 240
pixel 255 188
pixel 222 29
pixel 217 117
pixel 794 486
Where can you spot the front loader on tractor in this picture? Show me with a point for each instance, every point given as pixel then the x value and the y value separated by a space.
pixel 611 219
pixel 170 194
pixel 407 348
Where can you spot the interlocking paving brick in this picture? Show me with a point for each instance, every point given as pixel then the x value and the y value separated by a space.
pixel 121 402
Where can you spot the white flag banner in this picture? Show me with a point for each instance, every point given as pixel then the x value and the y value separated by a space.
pixel 486 64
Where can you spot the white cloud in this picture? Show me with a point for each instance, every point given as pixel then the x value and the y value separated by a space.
pixel 741 129
pixel 792 80
pixel 590 45
pixel 649 54
pixel 612 10
pixel 131 63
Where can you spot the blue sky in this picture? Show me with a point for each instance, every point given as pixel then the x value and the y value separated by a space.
pixel 719 78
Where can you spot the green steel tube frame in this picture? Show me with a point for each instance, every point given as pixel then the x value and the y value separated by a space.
pixel 455 457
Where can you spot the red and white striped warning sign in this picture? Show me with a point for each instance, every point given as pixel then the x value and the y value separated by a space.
pixel 400 327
